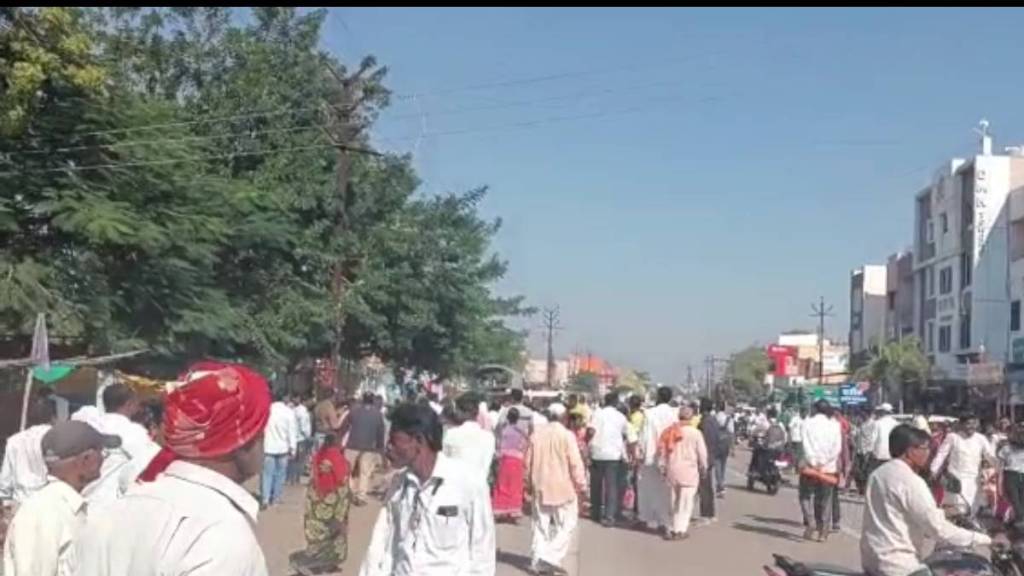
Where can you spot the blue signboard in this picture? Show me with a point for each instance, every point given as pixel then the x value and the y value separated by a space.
pixel 852 394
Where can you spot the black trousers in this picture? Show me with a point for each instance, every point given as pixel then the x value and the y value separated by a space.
pixel 605 492
pixel 706 494
pixel 815 502
pixel 1013 483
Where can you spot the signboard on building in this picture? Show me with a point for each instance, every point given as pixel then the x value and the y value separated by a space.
pixel 987 374
pixel 785 360
pixel 853 393
pixel 829 394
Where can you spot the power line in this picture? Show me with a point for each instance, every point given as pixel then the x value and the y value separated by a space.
pixel 408 96
pixel 116 165
pixel 130 143
pixel 290 129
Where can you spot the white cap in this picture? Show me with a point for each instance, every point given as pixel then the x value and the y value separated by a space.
pixel 556 410
pixel 885 407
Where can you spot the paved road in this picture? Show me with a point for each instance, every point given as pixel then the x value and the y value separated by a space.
pixel 750 528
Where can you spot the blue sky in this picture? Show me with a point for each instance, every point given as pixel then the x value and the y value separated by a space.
pixel 686 181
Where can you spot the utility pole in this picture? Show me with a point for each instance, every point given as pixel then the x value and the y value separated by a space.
pixel 346 120
pixel 551 324
pixel 821 312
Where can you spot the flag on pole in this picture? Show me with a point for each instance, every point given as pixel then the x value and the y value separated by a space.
pixel 41 343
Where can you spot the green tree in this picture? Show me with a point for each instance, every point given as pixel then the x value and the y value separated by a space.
pixel 897 370
pixel 749 367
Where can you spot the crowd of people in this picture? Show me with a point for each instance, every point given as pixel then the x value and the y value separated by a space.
pixel 141 488
pixel 170 474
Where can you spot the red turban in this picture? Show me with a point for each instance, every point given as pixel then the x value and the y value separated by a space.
pixel 216 409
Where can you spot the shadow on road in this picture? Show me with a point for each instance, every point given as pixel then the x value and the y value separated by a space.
pixel 765 531
pixel 517 561
pixel 780 521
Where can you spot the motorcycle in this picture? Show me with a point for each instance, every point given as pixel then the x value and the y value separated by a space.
pixel 1004 559
pixel 764 467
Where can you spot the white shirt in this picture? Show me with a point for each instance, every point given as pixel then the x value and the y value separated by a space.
pixel 190 520
pixel 795 434
pixel 282 433
pixel 1012 458
pixel 303 422
pixel 726 420
pixel 964 454
pixel 880 436
pixel 899 514
pixel 454 533
pixel 822 442
pixel 656 420
pixel 135 441
pixel 610 432
pixel 23 472
pixel 471 445
pixel 41 538
pixel 130 472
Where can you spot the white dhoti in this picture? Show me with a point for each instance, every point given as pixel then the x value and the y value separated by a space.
pixel 554 532
pixel 654 498
pixel 683 501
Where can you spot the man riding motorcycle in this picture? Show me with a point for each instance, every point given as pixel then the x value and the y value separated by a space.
pixel 768 442
pixel 900 512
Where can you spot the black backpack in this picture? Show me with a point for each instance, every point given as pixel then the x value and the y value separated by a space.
pixel 725 438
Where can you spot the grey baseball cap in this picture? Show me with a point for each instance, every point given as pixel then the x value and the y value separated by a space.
pixel 71 438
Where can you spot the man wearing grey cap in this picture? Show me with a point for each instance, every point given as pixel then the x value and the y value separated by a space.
pixel 41 539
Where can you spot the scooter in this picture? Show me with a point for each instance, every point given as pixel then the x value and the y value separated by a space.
pixel 764 468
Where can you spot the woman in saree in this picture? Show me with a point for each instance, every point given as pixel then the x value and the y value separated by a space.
pixel 507 496
pixel 325 523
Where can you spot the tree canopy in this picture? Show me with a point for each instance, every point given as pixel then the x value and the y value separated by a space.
pixel 168 183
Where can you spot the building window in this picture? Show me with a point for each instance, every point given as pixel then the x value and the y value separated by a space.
pixel 944 222
pixel 965 270
pixel 1015 316
pixel 931 336
pixel 965 332
pixel 929 232
pixel 946 280
pixel 945 338
pixel 891 303
pixel 931 281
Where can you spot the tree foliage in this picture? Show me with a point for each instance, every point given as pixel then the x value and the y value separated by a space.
pixel 899 369
pixel 168 183
pixel 749 368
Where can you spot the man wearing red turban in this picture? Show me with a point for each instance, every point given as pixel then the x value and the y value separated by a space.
pixel 190 514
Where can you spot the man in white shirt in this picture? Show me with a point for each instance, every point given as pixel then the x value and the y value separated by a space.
pixel 280 444
pixel 900 512
pixel 304 431
pixel 795 435
pixel 437 518
pixel 525 413
pixel 654 497
pixel 610 431
pixel 879 436
pixel 467 442
pixel 190 514
pixel 121 405
pixel 41 540
pixel 964 451
pixel 822 445
pixel 23 472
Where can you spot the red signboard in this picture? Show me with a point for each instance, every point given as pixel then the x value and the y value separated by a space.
pixel 784 358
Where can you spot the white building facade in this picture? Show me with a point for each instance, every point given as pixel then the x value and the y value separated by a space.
pixel 962 266
pixel 868 290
